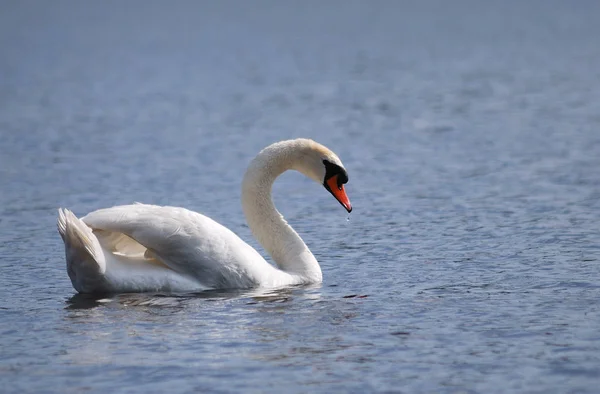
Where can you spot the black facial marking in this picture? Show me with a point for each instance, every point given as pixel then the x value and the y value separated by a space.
pixel 333 170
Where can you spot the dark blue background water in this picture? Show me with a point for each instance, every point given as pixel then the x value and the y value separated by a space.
pixel 471 133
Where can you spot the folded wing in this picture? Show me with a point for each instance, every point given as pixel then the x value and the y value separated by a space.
pixel 185 241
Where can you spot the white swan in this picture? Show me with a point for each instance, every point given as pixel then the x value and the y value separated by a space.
pixel 137 248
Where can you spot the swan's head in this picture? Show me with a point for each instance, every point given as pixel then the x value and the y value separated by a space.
pixel 334 180
pixel 306 156
pixel 323 166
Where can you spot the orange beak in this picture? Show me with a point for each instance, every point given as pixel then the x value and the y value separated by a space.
pixel 338 192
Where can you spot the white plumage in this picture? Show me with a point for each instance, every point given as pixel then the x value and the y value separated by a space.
pixel 136 248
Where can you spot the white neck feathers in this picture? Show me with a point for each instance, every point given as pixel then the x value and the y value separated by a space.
pixel 268 226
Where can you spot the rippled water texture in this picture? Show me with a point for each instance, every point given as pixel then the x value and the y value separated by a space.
pixel 471 133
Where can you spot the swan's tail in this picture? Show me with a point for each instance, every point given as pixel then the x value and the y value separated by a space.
pixel 85 259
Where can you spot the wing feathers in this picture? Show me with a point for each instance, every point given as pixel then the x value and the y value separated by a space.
pixel 187 242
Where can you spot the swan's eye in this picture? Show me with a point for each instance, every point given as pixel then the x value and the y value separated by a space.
pixel 342 178
pixel 332 170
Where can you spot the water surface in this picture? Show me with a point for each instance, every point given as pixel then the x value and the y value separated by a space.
pixel 470 132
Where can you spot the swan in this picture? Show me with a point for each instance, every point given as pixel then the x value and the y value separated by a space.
pixel 149 248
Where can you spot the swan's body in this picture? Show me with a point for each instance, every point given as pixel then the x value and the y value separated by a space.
pixel 136 248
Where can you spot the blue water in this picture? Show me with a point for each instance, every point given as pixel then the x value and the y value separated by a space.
pixel 471 134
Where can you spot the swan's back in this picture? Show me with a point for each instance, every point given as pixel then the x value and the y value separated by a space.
pixel 151 248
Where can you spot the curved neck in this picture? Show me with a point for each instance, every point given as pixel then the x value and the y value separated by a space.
pixel 268 226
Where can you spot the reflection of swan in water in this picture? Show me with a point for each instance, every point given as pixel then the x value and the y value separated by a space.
pixel 137 248
pixel 253 296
